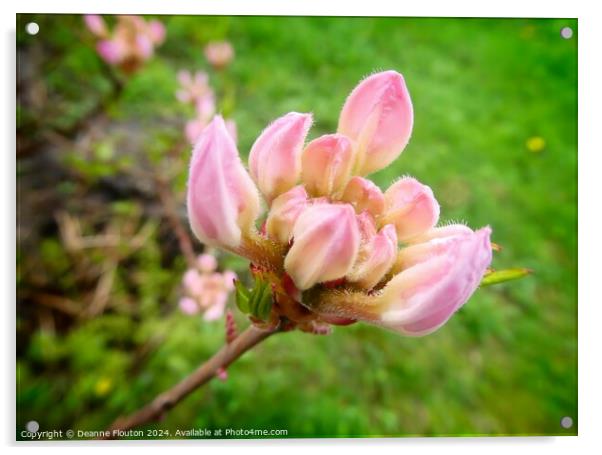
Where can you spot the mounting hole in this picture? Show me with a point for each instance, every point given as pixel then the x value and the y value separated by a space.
pixel 32 28
pixel 566 32
pixel 566 422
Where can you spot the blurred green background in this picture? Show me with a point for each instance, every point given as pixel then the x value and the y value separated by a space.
pixel 495 136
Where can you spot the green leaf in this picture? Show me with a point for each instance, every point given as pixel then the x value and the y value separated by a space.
pixel 257 302
pixel 242 297
pixel 264 303
pixel 501 276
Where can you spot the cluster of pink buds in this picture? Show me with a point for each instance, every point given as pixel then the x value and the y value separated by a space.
pixel 130 44
pixel 205 289
pixel 219 54
pixel 195 89
pixel 335 248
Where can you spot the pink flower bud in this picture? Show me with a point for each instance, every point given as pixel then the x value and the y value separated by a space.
pixel 450 230
pixel 440 280
pixel 326 242
pixel 275 158
pixel 364 195
pixel 219 53
pixel 326 164
pixel 206 263
pixel 284 211
pixel 111 51
pixel 96 24
pixel 376 259
pixel 222 201
pixel 378 116
pixel 411 207
pixel 156 31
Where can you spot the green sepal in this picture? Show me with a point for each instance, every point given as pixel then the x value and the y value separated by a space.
pixel 501 276
pixel 256 302
pixel 243 295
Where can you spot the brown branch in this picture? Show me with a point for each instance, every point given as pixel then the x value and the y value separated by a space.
pixel 171 213
pixel 203 374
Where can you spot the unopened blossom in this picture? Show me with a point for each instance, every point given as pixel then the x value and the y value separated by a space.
pixel 222 201
pixel 326 164
pixel 378 116
pixel 334 247
pixel 411 207
pixel 96 25
pixel 205 289
pixel 275 158
pixel 284 212
pixel 219 54
pixel 326 244
pixel 363 194
pixel 131 42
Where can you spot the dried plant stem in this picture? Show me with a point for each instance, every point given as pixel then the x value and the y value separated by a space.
pixel 203 374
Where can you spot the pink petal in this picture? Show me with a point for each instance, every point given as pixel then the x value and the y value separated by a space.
pixel 188 306
pixel 326 242
pixel 284 212
pixel 156 31
pixel 380 256
pixel 111 51
pixel 364 195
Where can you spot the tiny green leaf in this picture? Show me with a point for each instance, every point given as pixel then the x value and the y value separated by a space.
pixel 264 304
pixel 501 276
pixel 243 296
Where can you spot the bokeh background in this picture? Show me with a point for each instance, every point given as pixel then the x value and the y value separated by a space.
pixel 101 169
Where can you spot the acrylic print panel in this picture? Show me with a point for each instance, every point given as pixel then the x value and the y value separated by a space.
pixel 197 207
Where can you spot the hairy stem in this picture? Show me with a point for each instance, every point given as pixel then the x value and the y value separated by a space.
pixel 203 374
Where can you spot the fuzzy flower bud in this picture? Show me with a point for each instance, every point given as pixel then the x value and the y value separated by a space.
pixel 411 207
pixel 326 164
pixel 441 275
pixel 275 158
pixel 364 195
pixel 96 24
pixel 222 201
pixel 326 242
pixel 219 54
pixel 284 211
pixel 378 116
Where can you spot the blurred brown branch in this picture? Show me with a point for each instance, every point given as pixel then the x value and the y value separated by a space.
pixel 203 374
pixel 170 211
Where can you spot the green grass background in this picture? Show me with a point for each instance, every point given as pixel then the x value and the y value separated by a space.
pixel 505 364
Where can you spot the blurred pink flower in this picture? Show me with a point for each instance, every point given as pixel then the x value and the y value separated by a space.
pixel 219 53
pixel 333 244
pixel 193 87
pixel 205 289
pixel 131 42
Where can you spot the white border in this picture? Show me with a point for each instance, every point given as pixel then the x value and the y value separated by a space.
pixel 590 148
